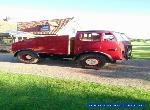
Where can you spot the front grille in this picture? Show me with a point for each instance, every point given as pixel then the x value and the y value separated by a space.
pixel 128 51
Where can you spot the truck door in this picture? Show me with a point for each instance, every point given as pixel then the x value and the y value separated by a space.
pixel 87 42
pixel 111 46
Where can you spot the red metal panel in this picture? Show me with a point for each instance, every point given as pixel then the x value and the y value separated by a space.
pixel 49 44
pixel 112 48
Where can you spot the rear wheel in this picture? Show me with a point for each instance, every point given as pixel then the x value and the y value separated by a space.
pixel 114 62
pixel 28 57
pixel 93 61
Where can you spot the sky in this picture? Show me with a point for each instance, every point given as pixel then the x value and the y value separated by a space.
pixel 129 16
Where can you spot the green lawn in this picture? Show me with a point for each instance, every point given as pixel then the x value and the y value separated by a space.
pixel 28 92
pixel 141 50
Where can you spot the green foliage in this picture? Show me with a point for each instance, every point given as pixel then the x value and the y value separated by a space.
pixel 139 40
pixel 141 50
pixel 28 92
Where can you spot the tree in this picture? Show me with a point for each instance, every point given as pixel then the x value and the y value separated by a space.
pixel 6 19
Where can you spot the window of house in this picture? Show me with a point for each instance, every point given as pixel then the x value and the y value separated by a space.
pixel 6 40
pixel 90 37
pixel 24 38
pixel 45 28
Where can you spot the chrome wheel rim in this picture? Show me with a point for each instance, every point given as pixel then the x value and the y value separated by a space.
pixel 28 57
pixel 92 61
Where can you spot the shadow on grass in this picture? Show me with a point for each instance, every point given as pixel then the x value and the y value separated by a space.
pixel 53 97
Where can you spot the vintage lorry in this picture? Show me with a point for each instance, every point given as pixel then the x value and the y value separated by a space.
pixel 90 49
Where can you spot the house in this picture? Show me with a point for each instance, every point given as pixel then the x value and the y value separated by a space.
pixel 70 29
pixel 5 38
pixel 6 26
pixel 5 41
pixel 47 27
pixel 19 35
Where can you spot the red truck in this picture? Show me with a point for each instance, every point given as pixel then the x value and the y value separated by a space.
pixel 90 49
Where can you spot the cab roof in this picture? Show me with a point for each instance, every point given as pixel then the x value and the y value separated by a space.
pixel 106 31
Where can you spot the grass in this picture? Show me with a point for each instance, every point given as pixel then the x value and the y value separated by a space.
pixel 141 50
pixel 28 92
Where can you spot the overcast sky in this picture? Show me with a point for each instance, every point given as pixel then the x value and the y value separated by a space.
pixel 129 16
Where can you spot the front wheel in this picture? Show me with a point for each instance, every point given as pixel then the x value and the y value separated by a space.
pixel 28 57
pixel 92 61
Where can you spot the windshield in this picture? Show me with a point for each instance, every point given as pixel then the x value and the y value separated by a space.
pixel 121 37
pixel 125 37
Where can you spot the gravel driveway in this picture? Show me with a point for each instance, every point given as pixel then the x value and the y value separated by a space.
pixel 135 73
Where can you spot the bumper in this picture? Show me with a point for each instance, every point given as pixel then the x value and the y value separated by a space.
pixel 128 52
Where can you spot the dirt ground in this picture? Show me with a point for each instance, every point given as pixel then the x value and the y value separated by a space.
pixel 135 73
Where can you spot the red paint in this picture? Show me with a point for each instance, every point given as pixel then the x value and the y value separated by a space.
pixel 59 45
pixel 48 44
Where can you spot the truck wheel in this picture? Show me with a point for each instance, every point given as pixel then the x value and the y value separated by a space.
pixel 92 61
pixel 27 57
pixel 114 62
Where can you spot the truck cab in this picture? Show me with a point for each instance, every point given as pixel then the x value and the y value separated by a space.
pixel 90 49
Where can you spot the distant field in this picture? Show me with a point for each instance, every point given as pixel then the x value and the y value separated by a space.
pixel 141 50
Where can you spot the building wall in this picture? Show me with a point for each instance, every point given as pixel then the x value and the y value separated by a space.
pixel 44 26
pixel 5 43
pixel 70 29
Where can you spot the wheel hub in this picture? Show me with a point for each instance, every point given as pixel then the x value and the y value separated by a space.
pixel 91 61
pixel 28 57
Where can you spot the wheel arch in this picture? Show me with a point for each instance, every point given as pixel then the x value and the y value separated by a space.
pixel 25 50
pixel 108 57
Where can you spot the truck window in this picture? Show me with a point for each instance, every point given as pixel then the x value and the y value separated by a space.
pixel 24 38
pixel 90 37
pixel 19 38
pixel 126 38
pixel 119 37
pixel 109 37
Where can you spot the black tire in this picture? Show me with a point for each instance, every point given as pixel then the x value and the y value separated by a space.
pixel 97 61
pixel 114 62
pixel 28 57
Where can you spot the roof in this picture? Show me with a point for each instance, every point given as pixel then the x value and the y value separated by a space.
pixel 4 35
pixel 96 31
pixel 56 24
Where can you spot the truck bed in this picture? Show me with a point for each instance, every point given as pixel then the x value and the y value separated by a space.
pixel 49 44
pixel 52 44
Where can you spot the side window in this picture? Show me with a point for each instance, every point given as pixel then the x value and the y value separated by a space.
pixel 19 38
pixel 109 37
pixel 14 39
pixel 24 38
pixel 90 37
